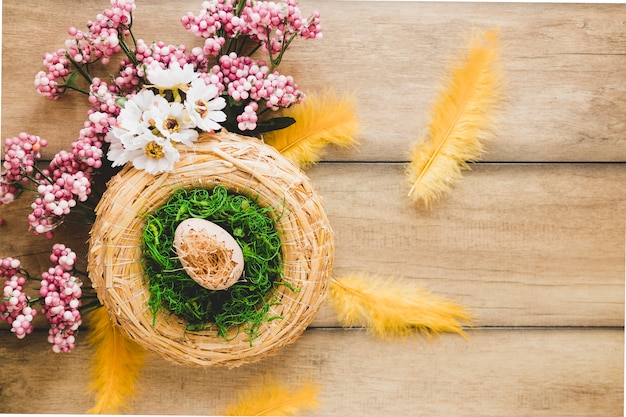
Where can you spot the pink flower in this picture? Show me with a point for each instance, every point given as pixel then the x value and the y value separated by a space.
pixel 20 156
pixel 61 293
pixel 247 120
pixel 15 306
pixel 46 85
pixel 9 267
pixel 63 256
pixel 275 25
pixel 214 15
pixel 247 79
pixel 7 192
pixel 56 200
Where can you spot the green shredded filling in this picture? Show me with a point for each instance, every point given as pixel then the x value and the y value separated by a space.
pixel 244 304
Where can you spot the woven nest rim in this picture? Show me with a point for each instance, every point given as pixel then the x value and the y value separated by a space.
pixel 244 166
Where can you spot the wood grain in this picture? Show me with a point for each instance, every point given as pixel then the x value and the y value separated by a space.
pixel 565 64
pixel 521 245
pixel 567 372
pixel 552 235
pixel 532 241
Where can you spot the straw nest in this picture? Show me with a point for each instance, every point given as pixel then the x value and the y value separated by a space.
pixel 244 166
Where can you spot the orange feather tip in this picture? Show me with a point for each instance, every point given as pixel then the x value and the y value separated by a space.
pixel 115 364
pixel 462 121
pixel 322 119
pixel 392 306
pixel 273 398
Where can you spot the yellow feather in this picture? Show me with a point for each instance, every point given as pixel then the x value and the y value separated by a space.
pixel 274 399
pixel 116 363
pixel 320 120
pixel 392 306
pixel 462 120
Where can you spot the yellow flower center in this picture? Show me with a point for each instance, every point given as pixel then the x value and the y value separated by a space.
pixel 171 124
pixel 154 150
pixel 202 108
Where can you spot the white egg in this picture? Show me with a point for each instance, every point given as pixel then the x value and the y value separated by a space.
pixel 209 254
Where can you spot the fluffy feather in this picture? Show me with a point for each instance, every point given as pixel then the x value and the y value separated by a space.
pixel 116 363
pixel 462 120
pixel 391 306
pixel 274 399
pixel 320 120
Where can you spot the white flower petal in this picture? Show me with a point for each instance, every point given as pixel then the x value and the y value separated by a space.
pixel 172 77
pixel 187 137
pixel 205 106
pixel 218 104
pixel 117 153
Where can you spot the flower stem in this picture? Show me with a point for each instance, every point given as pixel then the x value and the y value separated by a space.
pixel 80 70
pixel 285 46
pixel 239 7
pixel 130 32
pixel 40 172
pixel 75 88
pixel 80 272
pixel 126 49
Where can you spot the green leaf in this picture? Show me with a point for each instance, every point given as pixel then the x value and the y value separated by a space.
pixel 121 101
pixel 276 123
pixel 232 102
pixel 71 81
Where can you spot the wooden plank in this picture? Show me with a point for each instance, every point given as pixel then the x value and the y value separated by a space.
pixel 552 235
pixel 565 63
pixel 520 245
pixel 572 372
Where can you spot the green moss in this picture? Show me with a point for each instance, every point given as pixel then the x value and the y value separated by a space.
pixel 245 304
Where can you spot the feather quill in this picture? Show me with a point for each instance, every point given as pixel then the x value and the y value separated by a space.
pixel 462 121
pixel 392 306
pixel 274 399
pixel 321 119
pixel 116 363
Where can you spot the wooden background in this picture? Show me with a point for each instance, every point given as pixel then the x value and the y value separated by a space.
pixel 531 240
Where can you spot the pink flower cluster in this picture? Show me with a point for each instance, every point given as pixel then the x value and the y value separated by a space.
pixel 47 83
pixel 67 181
pixel 20 157
pixel 15 308
pixel 60 295
pixel 272 24
pixel 249 81
pixel 99 43
pixel 56 200
pixel 68 178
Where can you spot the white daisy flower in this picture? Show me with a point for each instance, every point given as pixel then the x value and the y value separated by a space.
pixel 149 126
pixel 173 77
pixel 133 119
pixel 148 152
pixel 172 121
pixel 204 105
pixel 154 154
pixel 125 147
